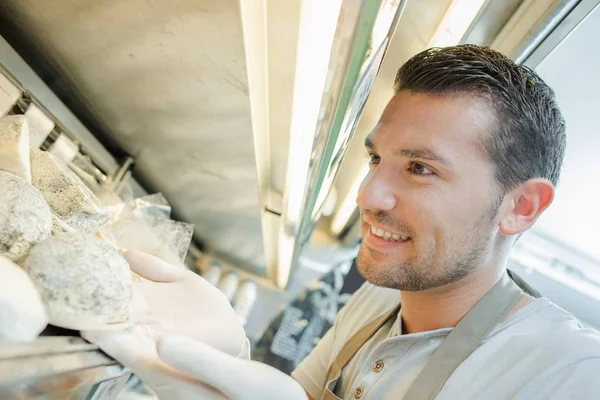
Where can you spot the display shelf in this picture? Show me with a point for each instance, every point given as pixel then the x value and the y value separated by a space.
pixel 58 365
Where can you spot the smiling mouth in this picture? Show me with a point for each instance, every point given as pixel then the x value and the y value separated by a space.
pixel 389 236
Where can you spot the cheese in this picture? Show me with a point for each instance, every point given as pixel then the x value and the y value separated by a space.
pixel 59 226
pixel 14 146
pixel 25 217
pixel 83 281
pixel 68 197
pixel 21 310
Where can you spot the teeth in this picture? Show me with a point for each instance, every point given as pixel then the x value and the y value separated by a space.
pixel 388 235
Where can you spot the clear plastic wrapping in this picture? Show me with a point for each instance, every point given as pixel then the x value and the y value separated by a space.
pixel 144 224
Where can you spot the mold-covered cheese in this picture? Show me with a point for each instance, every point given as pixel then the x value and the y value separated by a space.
pixel 25 217
pixel 83 281
pixel 59 226
pixel 68 197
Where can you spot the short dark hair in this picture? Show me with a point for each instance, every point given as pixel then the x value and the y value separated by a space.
pixel 529 140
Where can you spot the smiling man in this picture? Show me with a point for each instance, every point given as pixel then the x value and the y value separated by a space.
pixel 464 159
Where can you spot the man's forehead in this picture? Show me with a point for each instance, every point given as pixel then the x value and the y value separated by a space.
pixel 441 123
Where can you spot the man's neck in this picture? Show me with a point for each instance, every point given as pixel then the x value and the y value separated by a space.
pixel 444 307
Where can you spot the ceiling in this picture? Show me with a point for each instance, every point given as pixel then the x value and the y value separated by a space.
pixel 167 83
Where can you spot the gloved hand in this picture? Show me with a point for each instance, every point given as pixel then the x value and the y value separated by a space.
pixel 198 362
pixel 178 368
pixel 181 302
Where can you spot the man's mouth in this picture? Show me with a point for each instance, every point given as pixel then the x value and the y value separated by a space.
pixel 389 236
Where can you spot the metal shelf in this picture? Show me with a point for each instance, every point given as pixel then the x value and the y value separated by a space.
pixel 57 367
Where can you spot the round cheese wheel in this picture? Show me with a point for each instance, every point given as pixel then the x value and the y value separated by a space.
pixel 22 314
pixel 84 282
pixel 25 217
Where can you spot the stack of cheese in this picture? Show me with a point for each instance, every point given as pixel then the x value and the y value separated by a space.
pixel 52 267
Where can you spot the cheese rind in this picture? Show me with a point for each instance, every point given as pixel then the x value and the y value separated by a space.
pixel 68 197
pixel 21 310
pixel 25 217
pixel 82 280
pixel 14 146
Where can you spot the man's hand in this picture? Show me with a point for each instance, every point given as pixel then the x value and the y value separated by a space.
pixel 181 302
pixel 179 368
pixel 136 349
pixel 232 377
pixel 187 344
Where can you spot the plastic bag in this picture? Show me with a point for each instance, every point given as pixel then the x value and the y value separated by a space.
pixel 144 225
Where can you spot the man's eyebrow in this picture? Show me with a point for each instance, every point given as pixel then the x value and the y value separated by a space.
pixel 422 153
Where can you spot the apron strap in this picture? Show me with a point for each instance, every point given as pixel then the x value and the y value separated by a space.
pixel 356 342
pixel 464 338
pixel 530 290
pixel 460 343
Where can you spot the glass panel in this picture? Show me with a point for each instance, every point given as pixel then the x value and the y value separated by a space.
pixel 361 40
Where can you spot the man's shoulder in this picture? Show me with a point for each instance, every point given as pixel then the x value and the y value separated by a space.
pixel 548 333
pixel 541 352
pixel 566 332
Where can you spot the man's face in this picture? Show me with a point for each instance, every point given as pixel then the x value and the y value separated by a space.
pixel 431 192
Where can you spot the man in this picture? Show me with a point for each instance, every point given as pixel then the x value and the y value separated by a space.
pixel 463 160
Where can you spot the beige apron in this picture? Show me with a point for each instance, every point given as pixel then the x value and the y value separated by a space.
pixel 460 343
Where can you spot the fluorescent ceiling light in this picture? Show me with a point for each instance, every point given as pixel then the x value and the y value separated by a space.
pixel 318 23
pixel 254 24
pixel 317 29
pixel 457 20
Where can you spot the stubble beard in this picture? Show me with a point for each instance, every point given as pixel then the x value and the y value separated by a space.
pixel 437 267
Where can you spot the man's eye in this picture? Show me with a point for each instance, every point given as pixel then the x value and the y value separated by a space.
pixel 419 169
pixel 373 159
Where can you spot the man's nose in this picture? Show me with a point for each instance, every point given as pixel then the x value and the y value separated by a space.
pixel 376 192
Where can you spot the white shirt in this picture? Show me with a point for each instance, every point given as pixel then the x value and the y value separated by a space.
pixel 539 352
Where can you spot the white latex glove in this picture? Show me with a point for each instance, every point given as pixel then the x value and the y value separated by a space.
pixel 178 368
pixel 181 302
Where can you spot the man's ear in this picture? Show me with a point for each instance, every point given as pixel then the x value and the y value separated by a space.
pixel 527 202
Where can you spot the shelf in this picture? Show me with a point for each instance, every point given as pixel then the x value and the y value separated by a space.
pixel 56 367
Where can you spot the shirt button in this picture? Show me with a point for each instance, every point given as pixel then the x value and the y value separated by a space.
pixel 358 392
pixel 378 366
